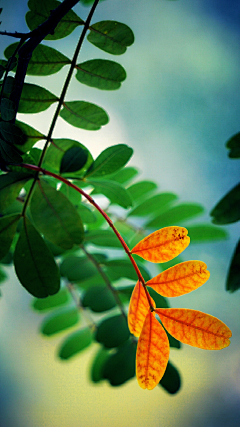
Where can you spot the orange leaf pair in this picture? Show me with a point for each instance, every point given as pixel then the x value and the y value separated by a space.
pixel 163 245
pixel 180 279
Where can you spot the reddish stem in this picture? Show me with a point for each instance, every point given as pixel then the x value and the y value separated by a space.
pixel 109 221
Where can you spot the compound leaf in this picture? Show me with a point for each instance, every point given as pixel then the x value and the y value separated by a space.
pixel 34 263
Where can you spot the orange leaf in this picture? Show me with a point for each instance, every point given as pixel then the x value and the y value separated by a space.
pixel 138 309
pixel 162 245
pixel 195 328
pixel 180 279
pixel 152 353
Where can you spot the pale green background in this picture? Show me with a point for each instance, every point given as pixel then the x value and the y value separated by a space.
pixel 178 106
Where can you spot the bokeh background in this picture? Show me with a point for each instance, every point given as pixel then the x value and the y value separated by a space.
pixel 177 108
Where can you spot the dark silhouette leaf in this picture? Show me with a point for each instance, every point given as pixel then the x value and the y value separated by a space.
pixel 40 11
pixel 120 366
pixel 60 320
pixel 34 263
pixel 8 227
pixel 113 331
pixel 10 185
pixel 234 146
pixel 101 73
pixel 55 216
pixel 233 279
pixel 84 115
pixel 7 109
pixel 30 136
pixel 171 380
pixel 110 160
pixel 111 36
pixel 73 159
pixel 35 99
pixel 227 210
pixel 8 153
pixel 75 343
pixel 11 133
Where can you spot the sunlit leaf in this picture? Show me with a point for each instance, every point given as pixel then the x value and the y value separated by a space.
pixel 113 191
pixel 101 73
pixel 53 301
pixel 55 216
pixel 98 299
pixel 141 188
pixel 180 279
pixel 75 343
pixel 40 12
pixel 176 215
pixel 84 115
pixel 228 209
pixel 171 380
pixel 162 245
pixel 34 263
pixel 10 186
pixel 35 99
pixel 110 160
pixel 195 328
pixel 120 366
pixel 111 36
pixel 234 145
pixel 60 320
pixel 152 353
pixel 233 279
pixel 44 60
pixel 206 233
pixel 153 204
pixel 8 227
pixel 113 331
pixel 138 309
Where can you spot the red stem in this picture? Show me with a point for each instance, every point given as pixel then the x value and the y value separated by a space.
pixel 90 199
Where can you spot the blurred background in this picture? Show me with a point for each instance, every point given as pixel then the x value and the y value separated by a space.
pixel 177 108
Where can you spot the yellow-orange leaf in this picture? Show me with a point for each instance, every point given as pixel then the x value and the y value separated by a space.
pixel 152 353
pixel 138 309
pixel 163 245
pixel 195 328
pixel 180 279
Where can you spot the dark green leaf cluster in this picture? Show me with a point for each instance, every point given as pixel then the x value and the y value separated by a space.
pixel 227 211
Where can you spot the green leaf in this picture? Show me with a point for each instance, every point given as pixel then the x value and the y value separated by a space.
pixel 84 115
pixel 10 185
pixel 176 215
pixel 44 61
pixel 7 109
pixel 73 196
pixel 124 175
pixel 55 216
pixel 8 227
pixel 153 204
pixel 117 268
pixel 160 301
pixel 53 301
pixel 105 238
pixel 77 269
pixel 34 263
pixel 113 331
pixel 110 160
pixel 113 191
pixel 3 276
pixel 227 210
pixel 35 99
pixel 40 11
pixel 171 380
pixel 120 366
pixel 57 150
pixel 96 373
pixel 98 299
pixel 140 189
pixel 234 146
pixel 30 136
pixel 206 233
pixel 233 278
pixel 111 36
pixel 173 342
pixel 86 214
pixel 9 85
pixel 73 159
pixel 8 153
pixel 101 73
pixel 60 320
pixel 11 133
pixel 75 343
